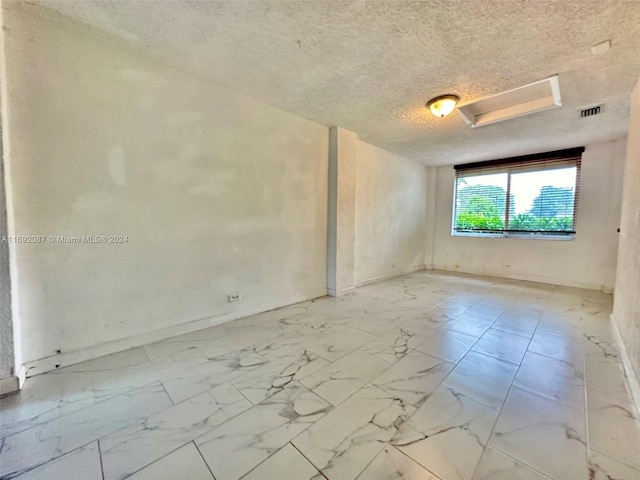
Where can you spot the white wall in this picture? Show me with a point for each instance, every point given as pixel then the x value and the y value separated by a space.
pixel 217 193
pixel 588 261
pixel 626 306
pixel 7 354
pixel 391 209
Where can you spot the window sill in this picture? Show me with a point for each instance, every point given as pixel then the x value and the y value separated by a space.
pixel 555 238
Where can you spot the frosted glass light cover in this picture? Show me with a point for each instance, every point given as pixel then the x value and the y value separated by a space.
pixel 443 106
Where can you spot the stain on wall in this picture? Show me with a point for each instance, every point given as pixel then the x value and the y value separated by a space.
pixel 212 192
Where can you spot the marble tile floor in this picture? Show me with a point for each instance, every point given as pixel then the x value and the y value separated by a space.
pixel 427 376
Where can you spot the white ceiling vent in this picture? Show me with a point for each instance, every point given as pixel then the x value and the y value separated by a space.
pixel 532 98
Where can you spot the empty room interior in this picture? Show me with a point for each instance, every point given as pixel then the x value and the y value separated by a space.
pixel 323 239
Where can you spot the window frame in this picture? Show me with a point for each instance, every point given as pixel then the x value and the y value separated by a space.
pixel 513 165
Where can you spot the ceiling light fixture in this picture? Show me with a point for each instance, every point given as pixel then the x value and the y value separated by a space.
pixel 443 105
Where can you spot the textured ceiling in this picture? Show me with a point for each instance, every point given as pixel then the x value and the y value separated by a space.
pixel 370 66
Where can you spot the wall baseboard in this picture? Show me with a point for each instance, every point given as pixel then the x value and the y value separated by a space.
pixel 65 359
pixel 632 379
pixel 388 276
pixel 340 291
pixel 9 385
pixel 529 278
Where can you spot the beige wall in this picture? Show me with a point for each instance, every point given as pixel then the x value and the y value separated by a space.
pixel 588 261
pixel 391 208
pixel 217 193
pixel 626 308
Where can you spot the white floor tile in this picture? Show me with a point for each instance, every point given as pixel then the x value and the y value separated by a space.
pixel 138 445
pixel 50 440
pixel 394 345
pixel 614 427
pixel 558 380
pixel 348 438
pixel 391 464
pixel 524 326
pixel 447 434
pixel 339 380
pixel 448 345
pixel 544 434
pixel 285 463
pixel 81 464
pixel 502 345
pixel 274 376
pixel 185 464
pixel 495 465
pixel 414 378
pixel 484 378
pixel 602 467
pixel 239 445
pixel 560 347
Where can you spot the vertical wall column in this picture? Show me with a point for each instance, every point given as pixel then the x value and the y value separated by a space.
pixel 9 350
pixel 8 379
pixel 626 304
pixel 342 211
pixel 431 217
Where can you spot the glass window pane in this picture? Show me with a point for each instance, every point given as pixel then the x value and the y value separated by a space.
pixel 480 202
pixel 543 200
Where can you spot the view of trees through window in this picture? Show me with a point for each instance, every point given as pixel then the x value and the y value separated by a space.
pixel 519 201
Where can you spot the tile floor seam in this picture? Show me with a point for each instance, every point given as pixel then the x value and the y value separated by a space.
pixel 368 382
pixel 130 474
pixel 470 395
pixel 11 475
pixel 305 457
pixel 547 397
pixel 371 461
pixel 230 381
pixel 100 457
pixel 615 459
pixel 484 449
pixel 604 392
pixel 520 462
pixel 547 356
pixel 438 477
pixel 586 402
pixel 165 391
pixel 377 335
pixel 203 459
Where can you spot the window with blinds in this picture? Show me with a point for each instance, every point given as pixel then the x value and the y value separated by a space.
pixel 533 195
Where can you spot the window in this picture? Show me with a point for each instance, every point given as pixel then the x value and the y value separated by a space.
pixel 533 196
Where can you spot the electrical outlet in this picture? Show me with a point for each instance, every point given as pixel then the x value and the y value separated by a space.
pixel 234 297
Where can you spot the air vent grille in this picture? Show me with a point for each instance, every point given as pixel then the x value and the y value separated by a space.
pixel 590 112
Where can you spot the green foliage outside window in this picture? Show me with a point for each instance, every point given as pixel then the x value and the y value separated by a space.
pixel 527 221
pixel 482 207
